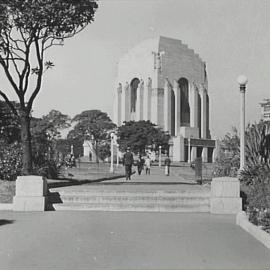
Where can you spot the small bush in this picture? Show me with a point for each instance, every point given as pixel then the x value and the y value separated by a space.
pixel 49 169
pixel 10 161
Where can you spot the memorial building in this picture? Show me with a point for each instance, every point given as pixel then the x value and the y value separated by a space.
pixel 164 81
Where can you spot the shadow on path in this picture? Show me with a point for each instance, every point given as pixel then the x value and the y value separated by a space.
pixel 74 182
pixel 5 222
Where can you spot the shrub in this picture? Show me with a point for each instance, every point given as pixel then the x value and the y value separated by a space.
pixel 49 169
pixel 10 161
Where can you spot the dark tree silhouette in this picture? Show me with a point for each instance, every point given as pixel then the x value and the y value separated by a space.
pixel 28 29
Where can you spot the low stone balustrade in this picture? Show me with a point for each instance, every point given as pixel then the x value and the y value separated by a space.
pixel 225 196
pixel 31 193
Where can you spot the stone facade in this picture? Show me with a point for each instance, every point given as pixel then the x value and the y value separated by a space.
pixel 164 81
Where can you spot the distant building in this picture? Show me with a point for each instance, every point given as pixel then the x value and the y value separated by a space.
pixel 164 81
pixel 265 112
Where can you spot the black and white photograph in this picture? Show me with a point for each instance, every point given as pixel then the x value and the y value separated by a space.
pixel 134 134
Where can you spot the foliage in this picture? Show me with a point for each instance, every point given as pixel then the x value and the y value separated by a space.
pixel 92 125
pixel 56 121
pixel 10 160
pixel 9 124
pixel 49 169
pixel 27 30
pixel 229 156
pixel 138 135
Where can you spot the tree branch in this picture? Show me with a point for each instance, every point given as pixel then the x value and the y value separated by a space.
pixel 39 53
pixel 9 103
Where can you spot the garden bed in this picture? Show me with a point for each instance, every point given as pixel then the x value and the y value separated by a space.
pixel 7 191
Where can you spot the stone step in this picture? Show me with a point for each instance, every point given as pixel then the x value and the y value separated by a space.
pixel 119 200
pixel 131 207
pixel 134 199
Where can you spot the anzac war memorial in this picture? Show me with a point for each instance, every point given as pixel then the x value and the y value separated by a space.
pixel 145 186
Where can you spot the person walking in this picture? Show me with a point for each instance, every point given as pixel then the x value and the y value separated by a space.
pixel 127 162
pixel 167 164
pixel 140 164
pixel 147 165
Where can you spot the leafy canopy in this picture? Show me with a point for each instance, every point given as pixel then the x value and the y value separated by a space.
pixel 28 28
pixel 92 124
pixel 141 134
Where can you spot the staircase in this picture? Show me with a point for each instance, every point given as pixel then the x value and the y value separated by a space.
pixel 130 198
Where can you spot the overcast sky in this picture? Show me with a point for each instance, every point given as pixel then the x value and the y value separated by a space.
pixel 232 37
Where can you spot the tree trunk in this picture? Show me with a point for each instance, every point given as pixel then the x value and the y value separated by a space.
pixel 26 143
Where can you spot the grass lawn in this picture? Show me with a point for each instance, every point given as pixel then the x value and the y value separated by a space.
pixel 7 191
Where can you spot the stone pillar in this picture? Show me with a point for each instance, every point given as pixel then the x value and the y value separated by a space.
pixel 225 196
pixel 202 92
pixel 193 103
pixel 216 151
pixel 205 154
pixel 193 153
pixel 31 193
pixel 154 106
pixel 86 148
pixel 178 149
pixel 147 100
pixel 167 106
pixel 125 103
pixel 118 105
pixel 177 95
pixel 139 104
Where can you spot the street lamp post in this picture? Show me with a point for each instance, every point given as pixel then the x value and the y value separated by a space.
pixel 159 153
pixel 112 138
pixel 189 151
pixel 117 155
pixel 242 81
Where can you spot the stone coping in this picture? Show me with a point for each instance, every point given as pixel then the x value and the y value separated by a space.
pixel 255 231
pixel 6 206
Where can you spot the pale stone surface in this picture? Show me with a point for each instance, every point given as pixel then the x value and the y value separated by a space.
pixel 189 132
pixel 225 205
pixel 31 192
pixel 225 187
pixel 225 196
pixel 178 149
pixel 259 234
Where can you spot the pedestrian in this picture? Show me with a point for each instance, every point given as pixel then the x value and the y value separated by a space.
pixel 140 164
pixel 167 163
pixel 147 165
pixel 127 162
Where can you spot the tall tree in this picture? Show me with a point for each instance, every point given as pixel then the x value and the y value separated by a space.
pixel 93 125
pixel 9 125
pixel 140 134
pixel 27 30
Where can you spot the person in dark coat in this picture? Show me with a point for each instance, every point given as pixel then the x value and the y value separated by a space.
pixel 127 162
pixel 167 164
pixel 140 164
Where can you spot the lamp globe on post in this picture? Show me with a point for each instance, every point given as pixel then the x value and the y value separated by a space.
pixel 242 81
pixel 159 153
pixel 112 138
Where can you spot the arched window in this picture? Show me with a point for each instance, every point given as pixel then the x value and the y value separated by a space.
pixel 133 93
pixel 185 110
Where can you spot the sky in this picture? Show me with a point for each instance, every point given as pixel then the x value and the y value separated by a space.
pixel 231 36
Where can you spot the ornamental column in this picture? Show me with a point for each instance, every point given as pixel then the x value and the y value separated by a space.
pixel 202 92
pixel 147 100
pixel 193 102
pixel 139 103
pixel 167 106
pixel 118 105
pixel 125 111
pixel 177 95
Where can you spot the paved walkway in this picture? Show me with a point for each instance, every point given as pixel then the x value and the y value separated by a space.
pixel 122 240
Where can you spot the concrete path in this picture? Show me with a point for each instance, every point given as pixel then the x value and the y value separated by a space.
pixel 122 240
